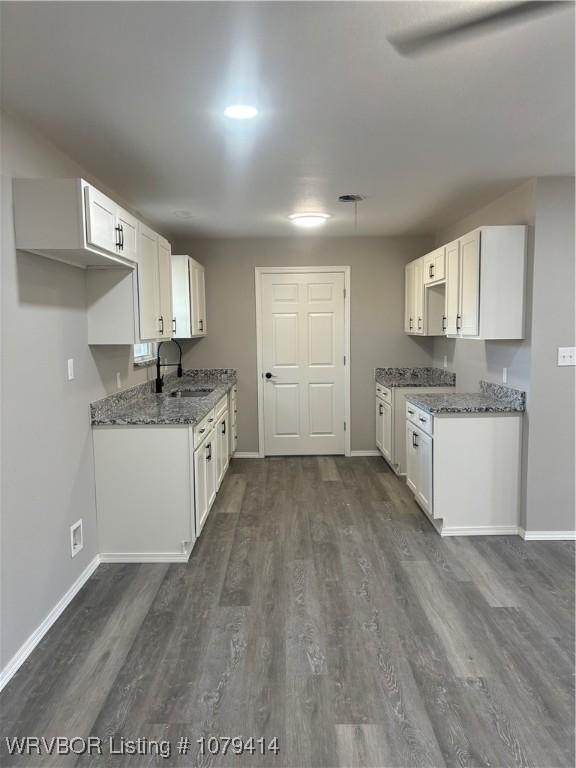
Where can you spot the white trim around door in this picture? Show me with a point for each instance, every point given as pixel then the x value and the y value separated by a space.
pixel 259 272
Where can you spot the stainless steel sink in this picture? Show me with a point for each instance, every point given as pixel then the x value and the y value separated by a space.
pixel 201 392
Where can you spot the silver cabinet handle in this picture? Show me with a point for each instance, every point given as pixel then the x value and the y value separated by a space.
pixel 422 420
pixel 380 410
pixel 173 325
pixel 410 412
pixel 209 454
pixel 161 329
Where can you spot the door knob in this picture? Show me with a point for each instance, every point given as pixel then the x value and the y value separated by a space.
pixel 269 375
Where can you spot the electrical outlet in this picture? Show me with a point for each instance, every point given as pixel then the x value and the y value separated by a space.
pixel 118 380
pixel 70 369
pixel 566 355
pixel 504 375
pixel 445 361
pixel 76 538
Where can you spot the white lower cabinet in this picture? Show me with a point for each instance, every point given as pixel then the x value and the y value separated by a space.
pixel 384 428
pixel 391 422
pixel 155 485
pixel 419 466
pixel 464 470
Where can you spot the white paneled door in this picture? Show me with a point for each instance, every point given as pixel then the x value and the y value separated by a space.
pixel 303 344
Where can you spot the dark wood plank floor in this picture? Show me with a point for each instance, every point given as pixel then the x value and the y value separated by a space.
pixel 318 607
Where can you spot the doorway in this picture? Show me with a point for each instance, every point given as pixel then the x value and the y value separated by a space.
pixel 303 342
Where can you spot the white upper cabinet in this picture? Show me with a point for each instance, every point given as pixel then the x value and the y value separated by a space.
pixel 414 293
pixel 70 220
pixel 127 229
pixel 485 284
pixel 102 229
pixel 129 307
pixel 452 309
pixel 165 287
pixel 434 266
pixel 409 298
pixel 471 288
pixel 148 284
pixel 188 298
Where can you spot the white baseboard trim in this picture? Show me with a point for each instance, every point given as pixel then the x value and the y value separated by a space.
pixel 373 452
pixel 28 646
pixel 144 557
pixel 247 455
pixel 547 535
pixel 481 530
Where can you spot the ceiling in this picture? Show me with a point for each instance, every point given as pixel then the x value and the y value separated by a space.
pixel 135 93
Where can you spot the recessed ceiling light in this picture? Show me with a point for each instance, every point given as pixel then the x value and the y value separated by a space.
pixel 240 112
pixel 309 220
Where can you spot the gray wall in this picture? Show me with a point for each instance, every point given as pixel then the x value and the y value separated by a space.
pixel 547 206
pixel 377 307
pixel 551 459
pixel 47 475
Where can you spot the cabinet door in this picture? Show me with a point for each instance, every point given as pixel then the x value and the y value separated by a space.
pixel 424 451
pixel 379 422
pixel 409 297
pixel 148 289
pixel 210 458
pixel 200 498
pixel 439 264
pixel 195 299
pixel 452 310
pixel 387 431
pixel 411 459
pixel 200 295
pixel 418 286
pixel 223 432
pixel 127 244
pixel 101 220
pixel 469 283
pixel 165 288
pixel 181 308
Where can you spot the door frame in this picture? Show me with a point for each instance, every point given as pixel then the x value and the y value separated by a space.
pixel 258 273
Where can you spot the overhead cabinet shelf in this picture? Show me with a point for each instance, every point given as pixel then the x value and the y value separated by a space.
pixel 472 288
pixel 70 220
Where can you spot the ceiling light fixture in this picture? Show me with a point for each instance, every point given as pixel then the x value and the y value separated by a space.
pixel 240 112
pixel 309 220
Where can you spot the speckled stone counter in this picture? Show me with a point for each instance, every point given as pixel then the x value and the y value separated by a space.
pixel 415 377
pixel 141 405
pixel 492 398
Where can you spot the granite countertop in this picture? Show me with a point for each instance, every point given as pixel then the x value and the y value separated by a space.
pixel 492 398
pixel 140 405
pixel 415 377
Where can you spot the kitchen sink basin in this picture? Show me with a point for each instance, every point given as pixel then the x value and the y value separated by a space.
pixel 192 392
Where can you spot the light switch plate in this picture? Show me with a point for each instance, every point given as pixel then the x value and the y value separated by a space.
pixel 566 355
pixel 70 369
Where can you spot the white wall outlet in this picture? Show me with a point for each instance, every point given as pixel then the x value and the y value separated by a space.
pixel 118 380
pixel 566 355
pixel 70 369
pixel 445 361
pixel 504 375
pixel 76 538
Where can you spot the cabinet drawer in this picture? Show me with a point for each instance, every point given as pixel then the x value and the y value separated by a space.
pixel 420 418
pixel 384 393
pixel 203 427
